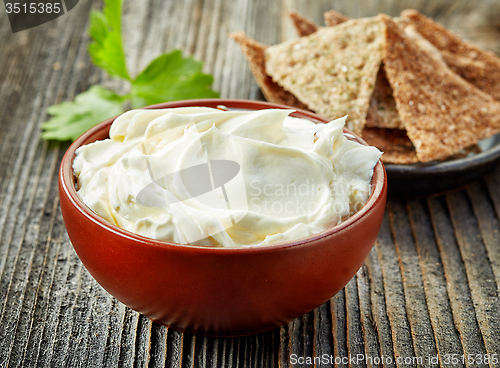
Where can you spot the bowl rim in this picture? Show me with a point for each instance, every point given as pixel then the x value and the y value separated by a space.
pixel 66 180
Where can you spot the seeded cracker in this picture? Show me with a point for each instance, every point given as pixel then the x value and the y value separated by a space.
pixel 395 144
pixel 304 26
pixel 333 71
pixel 333 18
pixel 254 52
pixel 480 67
pixel 382 112
pixel 442 112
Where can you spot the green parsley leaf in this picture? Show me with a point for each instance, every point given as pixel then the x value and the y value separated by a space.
pixel 107 49
pixel 171 77
pixel 70 119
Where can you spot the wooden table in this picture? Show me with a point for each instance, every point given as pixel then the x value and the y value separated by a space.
pixel 429 287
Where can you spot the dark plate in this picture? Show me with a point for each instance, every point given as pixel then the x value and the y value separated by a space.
pixel 438 177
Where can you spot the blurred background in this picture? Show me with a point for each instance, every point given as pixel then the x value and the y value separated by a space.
pixel 200 28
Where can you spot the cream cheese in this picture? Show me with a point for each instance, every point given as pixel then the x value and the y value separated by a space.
pixel 209 177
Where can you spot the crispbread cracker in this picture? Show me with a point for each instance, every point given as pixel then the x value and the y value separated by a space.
pixel 480 67
pixel 254 52
pixel 398 149
pixel 304 26
pixel 394 143
pixel 333 18
pixel 442 112
pixel 412 33
pixel 333 71
pixel 383 112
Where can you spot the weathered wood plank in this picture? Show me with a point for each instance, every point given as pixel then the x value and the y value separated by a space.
pixel 436 295
pixel 369 334
pixel 112 330
pixel 66 319
pixel 213 356
pixel 39 314
pixel 14 277
pixel 189 345
pixel 158 345
pixel 128 339
pixel 56 337
pixel 15 161
pixel 379 310
pixel 488 225
pixel 77 352
pixel 456 279
pixel 143 341
pixel 416 308
pixel 18 311
pixel 355 340
pixel 339 328
pixel 300 336
pixel 493 183
pixel 56 273
pixel 206 46
pixel 323 339
pixel 143 16
pixel 479 271
pixel 394 294
pixel 283 352
pixel 231 349
pixel 38 184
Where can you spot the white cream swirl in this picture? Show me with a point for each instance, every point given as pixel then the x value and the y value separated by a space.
pixel 208 177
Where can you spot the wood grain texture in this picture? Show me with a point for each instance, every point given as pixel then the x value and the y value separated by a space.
pixel 434 283
pixel 415 301
pixel 429 287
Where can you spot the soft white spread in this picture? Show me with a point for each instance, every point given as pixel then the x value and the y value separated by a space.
pixel 259 177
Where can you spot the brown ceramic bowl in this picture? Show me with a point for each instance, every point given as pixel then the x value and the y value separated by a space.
pixel 219 291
